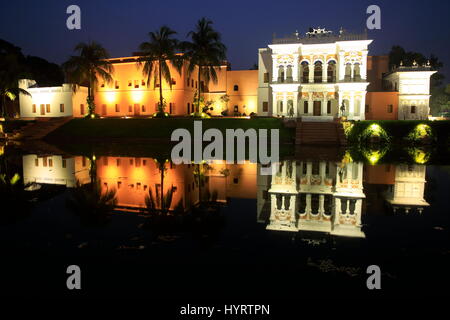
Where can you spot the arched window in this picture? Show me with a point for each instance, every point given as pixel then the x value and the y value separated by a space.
pixel 305 72
pixel 356 72
pixel 236 87
pixel 318 72
pixel 348 72
pixel 289 74
pixel 331 71
pixel 281 74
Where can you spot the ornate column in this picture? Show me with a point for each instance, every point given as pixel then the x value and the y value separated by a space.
pixel 340 67
pixel 274 68
pixel 351 108
pixel 294 104
pixel 324 72
pixel 311 73
pixel 308 204
pixel 324 104
pixel 295 68
pixel 321 204
pixel 310 103
pixel 363 66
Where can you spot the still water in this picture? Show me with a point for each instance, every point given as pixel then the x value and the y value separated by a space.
pixel 216 230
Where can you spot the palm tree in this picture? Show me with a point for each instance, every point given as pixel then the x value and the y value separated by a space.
pixel 87 67
pixel 205 52
pixel 10 73
pixel 158 55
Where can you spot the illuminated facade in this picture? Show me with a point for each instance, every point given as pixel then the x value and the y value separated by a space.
pixel 50 102
pixel 317 77
pixel 321 76
pixel 408 190
pixel 318 196
pixel 54 169
pixel 130 95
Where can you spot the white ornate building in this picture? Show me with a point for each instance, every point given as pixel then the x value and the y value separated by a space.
pixel 321 76
pixel 318 196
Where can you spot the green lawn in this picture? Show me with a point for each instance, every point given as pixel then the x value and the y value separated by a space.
pixel 89 129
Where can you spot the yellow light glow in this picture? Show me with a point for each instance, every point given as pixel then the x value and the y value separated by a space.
pixel 137 96
pixel 110 96
pixel 376 129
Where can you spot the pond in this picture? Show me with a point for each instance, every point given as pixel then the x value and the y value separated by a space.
pixel 214 230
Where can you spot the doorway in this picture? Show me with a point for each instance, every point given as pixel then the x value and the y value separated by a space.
pixel 137 110
pixel 317 107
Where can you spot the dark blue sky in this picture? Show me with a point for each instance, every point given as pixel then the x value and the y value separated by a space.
pixel 39 27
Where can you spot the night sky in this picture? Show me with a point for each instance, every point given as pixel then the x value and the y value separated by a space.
pixel 39 27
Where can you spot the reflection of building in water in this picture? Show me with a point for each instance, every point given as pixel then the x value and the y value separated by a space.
pixel 315 196
pixel 133 178
pixel 55 169
pixel 408 190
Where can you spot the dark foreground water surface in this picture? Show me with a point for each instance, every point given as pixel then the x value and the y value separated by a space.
pixel 309 230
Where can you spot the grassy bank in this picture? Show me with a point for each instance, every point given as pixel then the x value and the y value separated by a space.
pixel 155 129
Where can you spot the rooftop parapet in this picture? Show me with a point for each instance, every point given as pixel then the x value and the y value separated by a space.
pixel 320 35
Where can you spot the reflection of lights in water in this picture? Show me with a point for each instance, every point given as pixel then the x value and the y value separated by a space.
pixel 419 156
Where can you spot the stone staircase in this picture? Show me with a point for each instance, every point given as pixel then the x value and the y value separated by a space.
pixel 319 133
pixel 39 129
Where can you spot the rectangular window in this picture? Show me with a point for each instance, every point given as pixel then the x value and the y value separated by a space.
pixel 143 83
pixel 329 107
pixel 265 106
pixel 130 108
pixel 44 161
pixel 117 108
pixel 61 107
pixel 50 162
pixel 34 108
pixel 413 109
pixel 117 84
pixel 47 108
pixel 36 162
pixel 196 84
pixel 136 84
pixel 64 163
pixel 82 109
pixel 144 109
pixel 83 162
pixel 192 83
pixel 118 162
pixel 390 108
pixel 266 77
pixel 129 83
pixel 170 107
pixel 188 81
pixel 174 82
pixel 305 107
